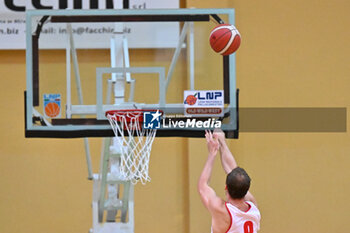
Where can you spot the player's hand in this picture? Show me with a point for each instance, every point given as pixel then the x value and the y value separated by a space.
pixel 212 143
pixel 220 135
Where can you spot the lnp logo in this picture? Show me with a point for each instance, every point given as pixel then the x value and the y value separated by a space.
pixel 52 105
pixel 210 95
pixel 151 120
pixel 208 103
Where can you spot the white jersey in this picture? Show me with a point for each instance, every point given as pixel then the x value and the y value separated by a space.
pixel 243 221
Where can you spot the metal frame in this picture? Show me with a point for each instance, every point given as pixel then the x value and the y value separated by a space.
pixel 101 108
pixel 99 130
pixel 101 205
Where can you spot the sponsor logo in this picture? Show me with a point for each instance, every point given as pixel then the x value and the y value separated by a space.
pixel 154 120
pixel 209 95
pixel 151 120
pixel 204 111
pixel 204 103
pixel 191 123
pixel 52 4
pixel 52 105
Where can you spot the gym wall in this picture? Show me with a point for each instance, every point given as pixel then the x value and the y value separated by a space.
pixel 293 54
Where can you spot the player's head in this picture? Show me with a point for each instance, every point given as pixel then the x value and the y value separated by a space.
pixel 237 183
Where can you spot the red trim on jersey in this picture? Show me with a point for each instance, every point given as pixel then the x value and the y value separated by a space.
pixel 248 208
pixel 230 217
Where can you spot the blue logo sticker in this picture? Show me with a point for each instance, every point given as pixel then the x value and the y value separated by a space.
pixel 151 120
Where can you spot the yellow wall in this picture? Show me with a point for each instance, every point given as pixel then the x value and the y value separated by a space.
pixel 293 54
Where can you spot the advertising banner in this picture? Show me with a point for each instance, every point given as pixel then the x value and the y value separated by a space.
pixel 87 35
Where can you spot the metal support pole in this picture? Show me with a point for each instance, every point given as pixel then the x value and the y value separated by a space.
pixel 80 94
pixel 68 78
pixel 117 60
pixel 127 65
pixel 176 55
pixel 191 54
pixel 126 57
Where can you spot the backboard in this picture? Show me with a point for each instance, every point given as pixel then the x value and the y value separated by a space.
pixel 82 63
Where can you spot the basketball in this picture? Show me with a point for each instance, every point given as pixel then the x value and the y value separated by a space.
pixel 52 109
pixel 225 39
pixel 191 99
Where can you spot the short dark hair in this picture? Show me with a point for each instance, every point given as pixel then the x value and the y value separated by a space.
pixel 238 183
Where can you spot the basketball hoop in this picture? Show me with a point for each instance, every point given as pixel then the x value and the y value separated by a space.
pixel 135 143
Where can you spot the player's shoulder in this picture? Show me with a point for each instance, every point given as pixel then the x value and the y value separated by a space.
pixel 253 209
pixel 252 205
pixel 250 202
pixel 216 205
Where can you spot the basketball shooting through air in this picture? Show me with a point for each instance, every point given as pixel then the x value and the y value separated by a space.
pixel 225 39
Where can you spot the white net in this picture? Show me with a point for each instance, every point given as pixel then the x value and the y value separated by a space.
pixel 135 144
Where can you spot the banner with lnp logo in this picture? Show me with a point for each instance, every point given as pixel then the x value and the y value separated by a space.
pixel 204 103
pixel 86 35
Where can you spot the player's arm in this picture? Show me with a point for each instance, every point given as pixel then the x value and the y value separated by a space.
pixel 207 194
pixel 228 162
